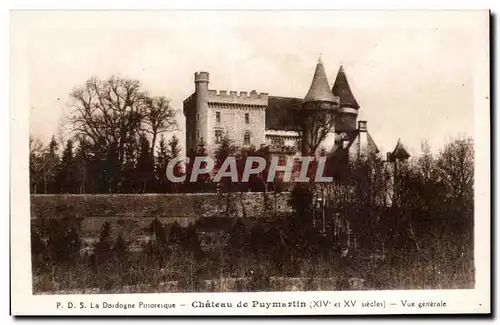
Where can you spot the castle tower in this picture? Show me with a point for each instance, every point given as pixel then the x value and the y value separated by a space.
pixel 348 106
pixel 201 80
pixel 319 95
pixel 318 100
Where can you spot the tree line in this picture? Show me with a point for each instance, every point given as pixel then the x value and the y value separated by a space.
pixel 425 237
pixel 80 168
pixel 408 203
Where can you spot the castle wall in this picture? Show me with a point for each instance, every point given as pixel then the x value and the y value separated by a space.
pixel 232 107
pixel 190 130
pixel 182 206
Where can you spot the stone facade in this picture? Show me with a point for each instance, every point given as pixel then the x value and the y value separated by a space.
pixel 211 115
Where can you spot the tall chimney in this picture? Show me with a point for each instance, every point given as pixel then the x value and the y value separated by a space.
pixel 362 126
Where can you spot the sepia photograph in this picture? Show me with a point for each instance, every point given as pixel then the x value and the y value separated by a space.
pixel 252 152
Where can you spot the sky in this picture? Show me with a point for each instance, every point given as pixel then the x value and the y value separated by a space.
pixel 413 73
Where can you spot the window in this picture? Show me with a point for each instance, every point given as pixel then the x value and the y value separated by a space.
pixel 218 136
pixel 217 117
pixel 247 118
pixel 198 133
pixel 277 142
pixel 197 117
pixel 246 139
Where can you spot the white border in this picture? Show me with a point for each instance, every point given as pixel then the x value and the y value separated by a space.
pixel 24 303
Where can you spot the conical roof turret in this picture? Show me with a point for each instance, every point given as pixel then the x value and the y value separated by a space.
pixel 400 152
pixel 320 89
pixel 342 90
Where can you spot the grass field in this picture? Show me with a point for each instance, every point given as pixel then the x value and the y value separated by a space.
pixel 171 258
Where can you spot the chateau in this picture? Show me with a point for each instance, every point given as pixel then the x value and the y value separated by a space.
pixel 267 121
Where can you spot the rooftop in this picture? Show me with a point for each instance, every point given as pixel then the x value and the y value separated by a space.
pixel 320 89
pixel 342 90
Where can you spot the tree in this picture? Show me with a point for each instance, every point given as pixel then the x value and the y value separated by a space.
pixel 175 150
pixel 111 168
pixel 200 185
pixel 129 173
pixel 161 166
pixel 145 164
pixel 201 148
pixel 82 158
pixel 109 111
pixel 174 147
pixel 36 163
pixel 226 149
pixel 111 115
pixel 456 168
pixel 160 117
pixel 313 127
pixel 66 170
pixel 50 160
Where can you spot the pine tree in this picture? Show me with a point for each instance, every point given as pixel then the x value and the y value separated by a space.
pixel 111 168
pixel 81 166
pixel 50 162
pixel 36 163
pixel 175 148
pixel 128 179
pixel 226 149
pixel 201 148
pixel 144 164
pixel 175 151
pixel 161 166
pixel 66 170
pixel 201 182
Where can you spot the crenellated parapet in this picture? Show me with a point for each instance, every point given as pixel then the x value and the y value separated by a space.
pixel 237 98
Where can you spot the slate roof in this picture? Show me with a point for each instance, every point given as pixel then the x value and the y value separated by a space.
pixel 280 113
pixel 338 160
pixel 320 89
pixel 400 152
pixel 351 137
pixel 342 89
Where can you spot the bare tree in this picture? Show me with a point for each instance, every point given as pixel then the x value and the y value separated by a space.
pixel 108 111
pixel 456 169
pixel 313 126
pixel 159 118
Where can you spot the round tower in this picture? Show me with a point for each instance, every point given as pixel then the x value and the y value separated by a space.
pixel 318 103
pixel 347 115
pixel 201 80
